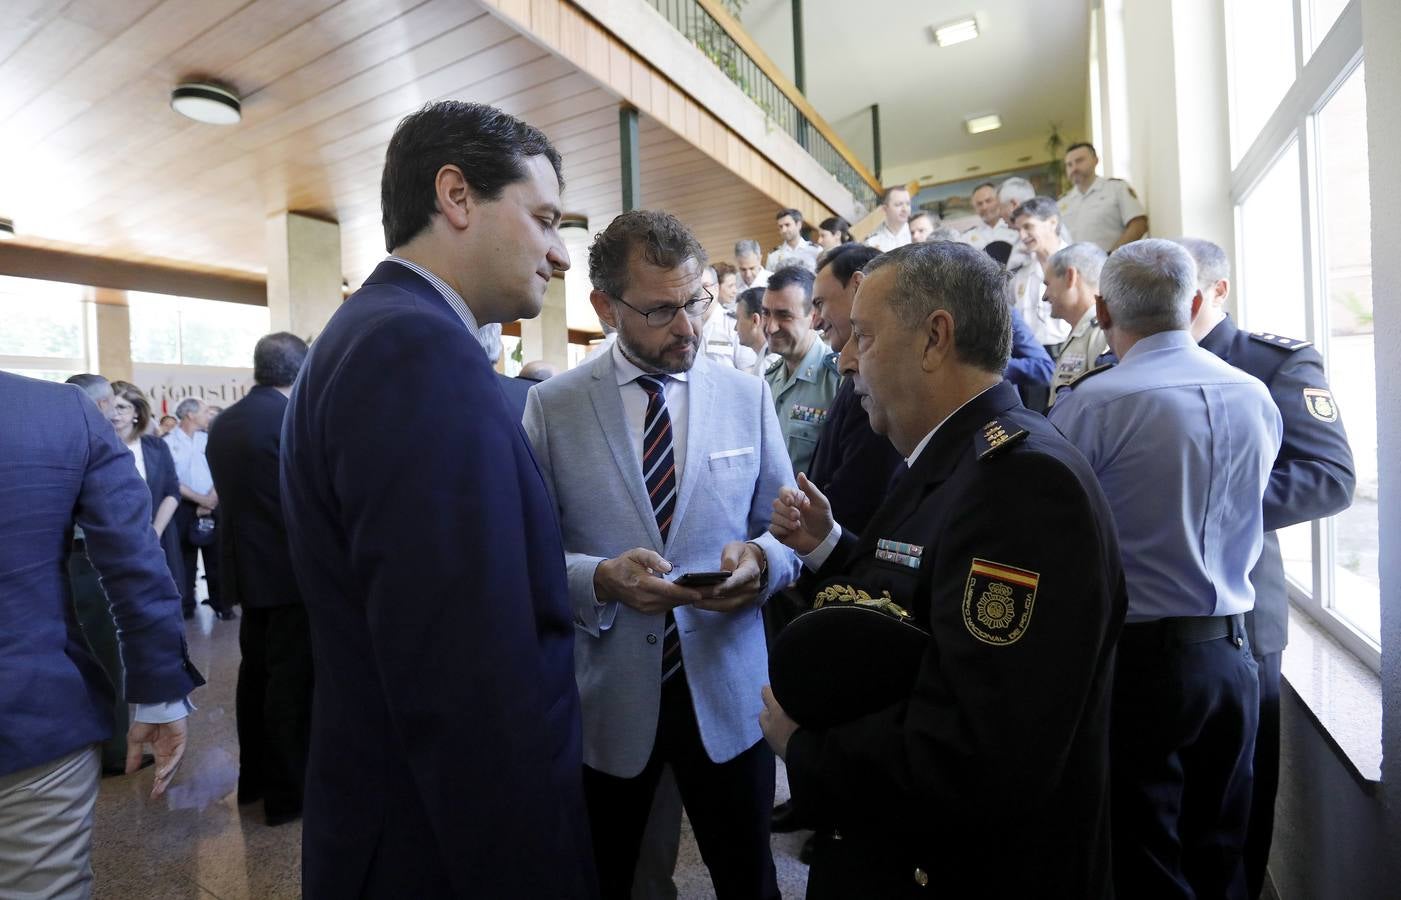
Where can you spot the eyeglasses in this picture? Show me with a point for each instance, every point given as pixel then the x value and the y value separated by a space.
pixel 661 316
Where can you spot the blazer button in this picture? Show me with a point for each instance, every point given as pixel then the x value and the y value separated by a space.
pixel 921 878
pixel 651 638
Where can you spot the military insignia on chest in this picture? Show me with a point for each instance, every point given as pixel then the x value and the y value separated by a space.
pixel 900 553
pixel 998 601
pixel 814 414
pixel 1320 404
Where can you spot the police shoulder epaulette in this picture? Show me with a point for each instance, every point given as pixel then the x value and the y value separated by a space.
pixel 996 436
pixel 1275 340
pixel 1084 375
pixel 830 362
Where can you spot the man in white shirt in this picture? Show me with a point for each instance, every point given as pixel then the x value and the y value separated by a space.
pixel 991 225
pixel 719 341
pixel 1039 225
pixel 895 230
pixel 749 328
pixel 1102 211
pixel 749 265
pixel 793 248
pixel 1072 281
pixel 198 503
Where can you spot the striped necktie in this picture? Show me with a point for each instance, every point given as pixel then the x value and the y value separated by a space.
pixel 659 476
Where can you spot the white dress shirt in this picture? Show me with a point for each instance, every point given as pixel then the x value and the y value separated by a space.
pixel 677 394
pixel 805 254
pixel 191 467
pixel 885 240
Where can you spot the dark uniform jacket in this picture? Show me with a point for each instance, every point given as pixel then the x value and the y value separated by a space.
pixel 244 443
pixel 852 464
pixel 1313 475
pixel 991 780
pixel 446 756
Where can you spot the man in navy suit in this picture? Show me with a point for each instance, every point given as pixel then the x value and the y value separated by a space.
pixel 445 753
pixel 65 467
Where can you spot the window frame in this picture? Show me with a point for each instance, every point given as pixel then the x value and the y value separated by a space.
pixel 1318 77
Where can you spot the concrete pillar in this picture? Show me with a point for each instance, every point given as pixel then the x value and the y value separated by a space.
pixel 304 273
pixel 107 322
pixel 547 335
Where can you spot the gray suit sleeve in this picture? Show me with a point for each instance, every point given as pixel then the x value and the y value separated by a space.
pixel 590 616
pixel 775 471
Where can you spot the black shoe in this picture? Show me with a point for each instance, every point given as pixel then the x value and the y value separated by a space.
pixel 809 850
pixel 113 771
pixel 226 614
pixel 785 819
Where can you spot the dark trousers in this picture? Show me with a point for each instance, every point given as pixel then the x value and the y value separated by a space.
pixel 1262 803
pixel 728 804
pixel 100 630
pixel 185 515
pixel 273 702
pixel 1181 742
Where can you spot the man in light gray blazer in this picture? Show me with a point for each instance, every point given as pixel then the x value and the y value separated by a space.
pixel 662 464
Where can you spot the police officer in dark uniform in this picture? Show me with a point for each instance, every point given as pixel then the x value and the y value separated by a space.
pixel 1312 478
pixel 988 775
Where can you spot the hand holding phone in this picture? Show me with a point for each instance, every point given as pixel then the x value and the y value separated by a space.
pixel 702 579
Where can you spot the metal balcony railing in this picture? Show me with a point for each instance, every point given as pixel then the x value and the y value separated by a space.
pixel 718 36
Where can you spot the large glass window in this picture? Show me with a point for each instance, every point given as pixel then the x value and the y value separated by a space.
pixel 1346 256
pixel 186 331
pixel 1261 64
pixel 40 319
pixel 1271 251
pixel 1322 15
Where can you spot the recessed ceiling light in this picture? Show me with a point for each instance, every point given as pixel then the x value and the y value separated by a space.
pixel 956 32
pixel 979 124
pixel 206 103
pixel 7 229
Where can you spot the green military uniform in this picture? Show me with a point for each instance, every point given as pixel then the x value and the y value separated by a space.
pixel 802 400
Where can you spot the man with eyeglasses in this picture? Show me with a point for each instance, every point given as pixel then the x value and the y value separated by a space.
pixel 804 379
pixel 692 455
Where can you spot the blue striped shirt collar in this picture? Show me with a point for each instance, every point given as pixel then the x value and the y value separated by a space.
pixel 453 298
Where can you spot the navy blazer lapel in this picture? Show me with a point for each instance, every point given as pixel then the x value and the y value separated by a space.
pixel 697 414
pixel 608 406
pixel 401 276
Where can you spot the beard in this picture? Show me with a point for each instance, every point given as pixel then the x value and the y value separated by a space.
pixel 675 357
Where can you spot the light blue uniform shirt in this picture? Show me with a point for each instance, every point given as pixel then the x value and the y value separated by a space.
pixel 1183 444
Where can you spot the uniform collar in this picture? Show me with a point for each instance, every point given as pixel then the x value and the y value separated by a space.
pixel 810 369
pixel 919 448
pixel 1087 321
pixel 1093 185
pixel 1173 339
pixel 1219 339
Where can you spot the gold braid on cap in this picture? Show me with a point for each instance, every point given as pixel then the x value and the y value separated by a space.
pixel 845 593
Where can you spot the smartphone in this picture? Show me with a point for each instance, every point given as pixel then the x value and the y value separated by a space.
pixel 702 579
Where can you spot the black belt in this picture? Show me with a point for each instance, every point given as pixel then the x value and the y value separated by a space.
pixel 1188 629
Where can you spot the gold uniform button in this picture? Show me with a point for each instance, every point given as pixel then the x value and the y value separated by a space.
pixel 921 878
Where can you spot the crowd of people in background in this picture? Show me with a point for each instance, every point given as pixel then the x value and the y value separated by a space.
pixel 549 620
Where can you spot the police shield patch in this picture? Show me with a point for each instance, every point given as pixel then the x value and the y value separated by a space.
pixel 998 601
pixel 1320 404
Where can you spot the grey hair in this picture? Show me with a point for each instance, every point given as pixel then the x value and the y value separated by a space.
pixel 1016 189
pixel 1212 264
pixel 95 386
pixel 187 407
pixel 747 246
pixel 489 335
pixel 1148 286
pixel 1038 208
pixel 944 233
pixel 1085 258
pixel 962 280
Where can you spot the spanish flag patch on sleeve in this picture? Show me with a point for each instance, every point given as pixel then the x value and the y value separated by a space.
pixel 998 601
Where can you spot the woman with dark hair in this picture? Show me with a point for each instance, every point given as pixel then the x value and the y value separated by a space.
pixel 131 418
pixel 832 232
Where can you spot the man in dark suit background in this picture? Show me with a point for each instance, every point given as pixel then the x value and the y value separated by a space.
pixel 445 751
pixel 274 675
pixel 65 467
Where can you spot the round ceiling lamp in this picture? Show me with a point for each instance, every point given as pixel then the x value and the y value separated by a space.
pixel 206 103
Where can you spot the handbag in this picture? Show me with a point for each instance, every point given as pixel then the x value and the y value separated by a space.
pixel 202 531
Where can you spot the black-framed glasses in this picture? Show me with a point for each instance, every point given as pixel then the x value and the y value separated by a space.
pixel 661 316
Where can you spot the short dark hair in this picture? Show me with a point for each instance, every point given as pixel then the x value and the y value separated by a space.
pixel 663 239
pixel 168 416
pixel 277 358
pixel 790 275
pixel 922 214
pixel 838 226
pixel 967 283
pixel 722 269
pixel 885 194
pixel 141 406
pixel 749 301
pixel 985 184
pixel 846 260
pixel 793 214
pixel 488 145
pixel 1038 208
pixel 1077 145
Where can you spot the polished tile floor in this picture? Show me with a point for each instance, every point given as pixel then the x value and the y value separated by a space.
pixel 196 842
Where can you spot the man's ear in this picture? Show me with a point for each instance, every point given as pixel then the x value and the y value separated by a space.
pixel 1102 316
pixel 453 196
pixel 856 278
pixel 603 307
pixel 1198 301
pixel 938 339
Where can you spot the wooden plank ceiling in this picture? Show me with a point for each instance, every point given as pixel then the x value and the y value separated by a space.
pixel 93 159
